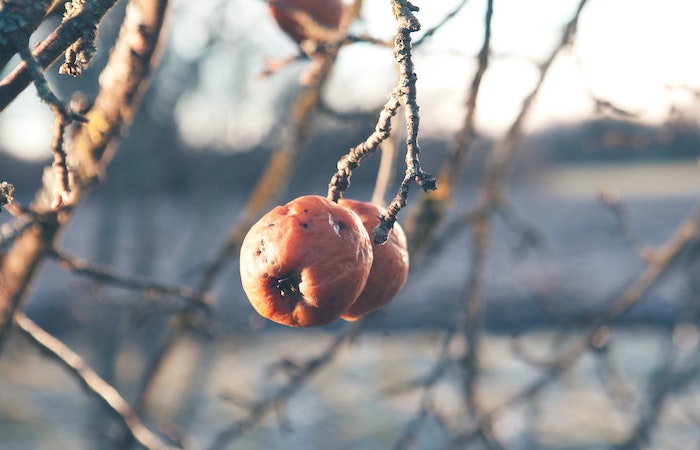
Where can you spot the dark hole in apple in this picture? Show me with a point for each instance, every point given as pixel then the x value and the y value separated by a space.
pixel 288 285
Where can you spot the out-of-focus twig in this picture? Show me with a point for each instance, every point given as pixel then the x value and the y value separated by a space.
pixel 491 198
pixel 104 274
pixel 385 173
pixel 435 28
pixel 427 384
pixel 612 200
pixel 92 382
pixel 668 379
pixel 664 257
pixel 431 208
pixel 299 377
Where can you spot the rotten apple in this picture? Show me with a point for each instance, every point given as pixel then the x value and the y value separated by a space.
pixel 303 264
pixel 307 19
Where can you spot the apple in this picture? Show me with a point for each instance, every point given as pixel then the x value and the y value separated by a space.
pixel 303 264
pixel 307 19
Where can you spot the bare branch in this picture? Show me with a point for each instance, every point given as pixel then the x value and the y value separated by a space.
pixel 341 179
pixel 55 45
pixel 406 90
pixel 18 20
pixel 151 288
pixel 430 210
pixel 403 95
pixel 656 267
pixel 302 374
pixel 92 382
pixel 121 83
pixel 435 28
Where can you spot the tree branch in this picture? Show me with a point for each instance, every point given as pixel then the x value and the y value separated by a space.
pixel 18 20
pixel 302 373
pixel 664 257
pixel 121 84
pixel 403 95
pixel 53 47
pixel 106 275
pixel 92 382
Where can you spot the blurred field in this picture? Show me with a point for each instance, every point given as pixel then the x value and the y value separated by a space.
pixel 348 406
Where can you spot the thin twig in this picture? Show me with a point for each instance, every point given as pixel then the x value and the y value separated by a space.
pixel 435 28
pixel 341 179
pixel 666 381
pixel 473 308
pixel 104 274
pixel 385 173
pixel 656 267
pixel 427 384
pixel 299 378
pixel 53 47
pixel 427 217
pixel 403 95
pixel 93 383
pixel 64 115
pixel 407 23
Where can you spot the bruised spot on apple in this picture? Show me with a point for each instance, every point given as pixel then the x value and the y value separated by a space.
pixel 305 263
pixel 389 267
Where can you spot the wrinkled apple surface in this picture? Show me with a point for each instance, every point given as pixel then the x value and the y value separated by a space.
pixel 304 263
pixel 389 267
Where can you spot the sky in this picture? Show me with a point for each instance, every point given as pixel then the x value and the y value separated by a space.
pixel 637 54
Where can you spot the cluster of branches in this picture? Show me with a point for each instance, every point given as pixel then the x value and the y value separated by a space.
pixel 80 159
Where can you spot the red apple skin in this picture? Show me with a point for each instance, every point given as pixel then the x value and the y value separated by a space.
pixel 390 263
pixel 303 264
pixel 327 13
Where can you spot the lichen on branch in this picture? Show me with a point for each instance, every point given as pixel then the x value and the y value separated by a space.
pixel 6 192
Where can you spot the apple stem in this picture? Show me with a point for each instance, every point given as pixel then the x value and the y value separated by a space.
pixel 404 94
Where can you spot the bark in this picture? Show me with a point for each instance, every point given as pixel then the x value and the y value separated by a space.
pixel 121 84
